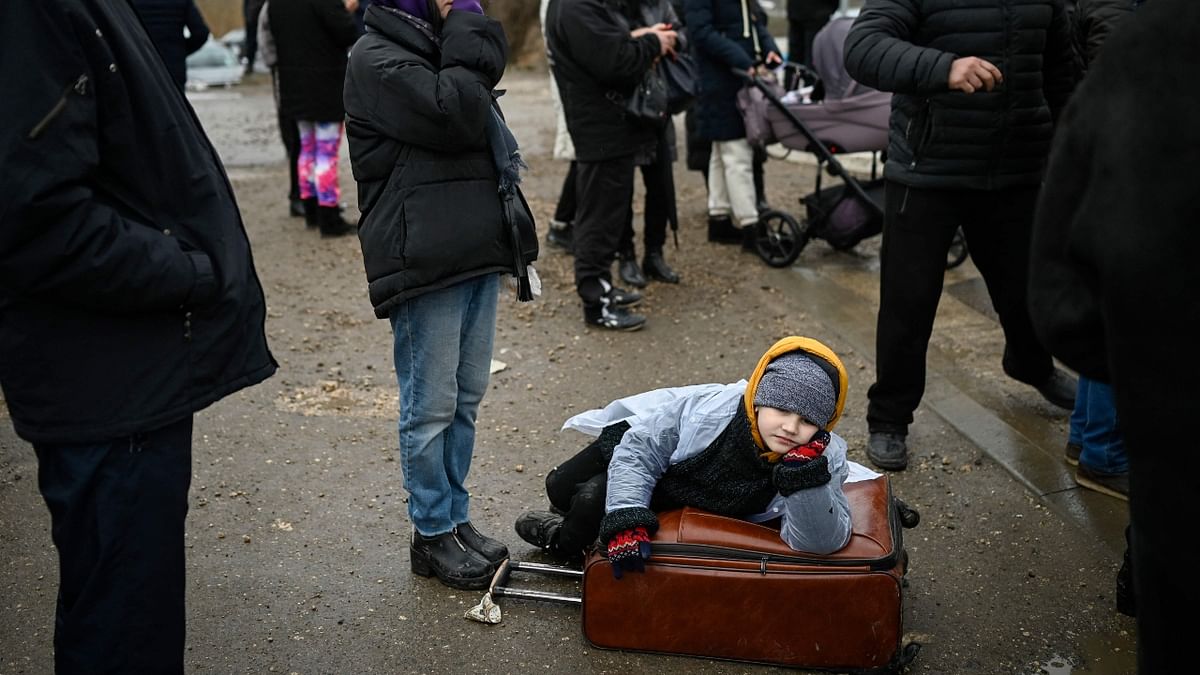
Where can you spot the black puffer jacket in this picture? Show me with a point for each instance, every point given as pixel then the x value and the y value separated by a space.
pixel 416 117
pixel 311 41
pixel 596 65
pixel 947 139
pixel 128 298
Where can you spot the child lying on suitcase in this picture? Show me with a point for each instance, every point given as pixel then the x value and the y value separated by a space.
pixel 757 450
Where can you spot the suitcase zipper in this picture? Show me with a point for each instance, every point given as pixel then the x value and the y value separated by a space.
pixel 711 552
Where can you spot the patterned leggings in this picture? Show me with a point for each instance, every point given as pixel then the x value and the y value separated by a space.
pixel 318 161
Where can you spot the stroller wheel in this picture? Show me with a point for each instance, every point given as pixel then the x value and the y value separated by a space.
pixel 778 238
pixel 957 254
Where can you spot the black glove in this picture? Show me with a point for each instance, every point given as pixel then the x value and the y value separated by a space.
pixel 791 475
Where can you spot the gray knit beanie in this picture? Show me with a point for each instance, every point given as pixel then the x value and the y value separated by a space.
pixel 795 383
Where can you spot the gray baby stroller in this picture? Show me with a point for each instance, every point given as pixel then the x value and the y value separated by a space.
pixel 826 113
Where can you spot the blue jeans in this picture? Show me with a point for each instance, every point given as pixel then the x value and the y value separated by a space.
pixel 1094 427
pixel 443 353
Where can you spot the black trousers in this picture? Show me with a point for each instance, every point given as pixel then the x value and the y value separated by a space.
pixel 578 488
pixel 918 227
pixel 659 180
pixel 801 34
pixel 605 191
pixel 117 513
pixel 289 133
pixel 564 212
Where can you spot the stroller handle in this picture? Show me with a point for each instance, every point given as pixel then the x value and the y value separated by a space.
pixel 820 149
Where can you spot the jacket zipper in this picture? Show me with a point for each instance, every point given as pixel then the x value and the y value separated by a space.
pixel 79 87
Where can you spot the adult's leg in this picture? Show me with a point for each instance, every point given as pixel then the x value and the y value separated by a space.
pixel 658 179
pixel 428 333
pixel 1103 446
pixel 479 299
pixel 564 212
pixel 604 189
pixel 1078 418
pixel 306 160
pixel 329 137
pixel 912 267
pixel 998 236
pixel 289 133
pixel 117 512
pixel 736 159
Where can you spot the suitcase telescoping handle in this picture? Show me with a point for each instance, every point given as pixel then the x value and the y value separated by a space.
pixel 487 611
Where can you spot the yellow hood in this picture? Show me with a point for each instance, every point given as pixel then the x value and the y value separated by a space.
pixel 809 346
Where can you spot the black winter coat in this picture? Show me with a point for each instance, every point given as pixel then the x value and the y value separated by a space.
pixel 416 121
pixel 596 66
pixel 811 11
pixel 165 21
pixel 722 41
pixel 128 297
pixel 1113 280
pixel 311 41
pixel 947 139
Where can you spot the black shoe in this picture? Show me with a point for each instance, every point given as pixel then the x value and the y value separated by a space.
pixel 750 237
pixel 763 205
pixel 494 551
pixel 629 271
pixel 296 208
pixel 450 560
pixel 619 297
pixel 1126 599
pixel 656 267
pixel 1072 452
pixel 887 450
pixel 1112 484
pixel 561 235
pixel 722 230
pixel 331 222
pixel 606 315
pixel 539 528
pixel 311 209
pixel 1059 388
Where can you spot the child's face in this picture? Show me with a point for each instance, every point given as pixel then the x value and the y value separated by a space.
pixel 782 430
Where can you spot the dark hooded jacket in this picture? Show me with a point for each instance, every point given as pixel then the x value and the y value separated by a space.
pixel 416 119
pixel 940 138
pixel 311 41
pixel 165 21
pixel 724 38
pixel 597 66
pixel 128 297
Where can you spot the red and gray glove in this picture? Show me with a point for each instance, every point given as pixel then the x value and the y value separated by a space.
pixel 628 551
pixel 804 466
pixel 626 535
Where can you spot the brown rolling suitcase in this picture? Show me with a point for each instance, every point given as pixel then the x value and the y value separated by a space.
pixel 725 588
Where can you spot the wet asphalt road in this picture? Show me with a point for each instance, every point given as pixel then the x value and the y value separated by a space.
pixel 297 536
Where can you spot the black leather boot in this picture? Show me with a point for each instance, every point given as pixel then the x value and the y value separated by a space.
pixel 310 212
pixel 332 225
pixel 495 551
pixel 450 560
pixel 722 230
pixel 627 268
pixel 656 267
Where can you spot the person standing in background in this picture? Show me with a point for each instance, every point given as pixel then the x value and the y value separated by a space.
pixel 251 9
pixel 949 66
pixel 805 18
pixel 128 302
pixel 312 38
pixel 432 155
pixel 1112 290
pixel 598 58
pixel 165 21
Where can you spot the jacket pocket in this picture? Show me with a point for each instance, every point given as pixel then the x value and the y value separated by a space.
pixel 453 227
pixel 76 88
